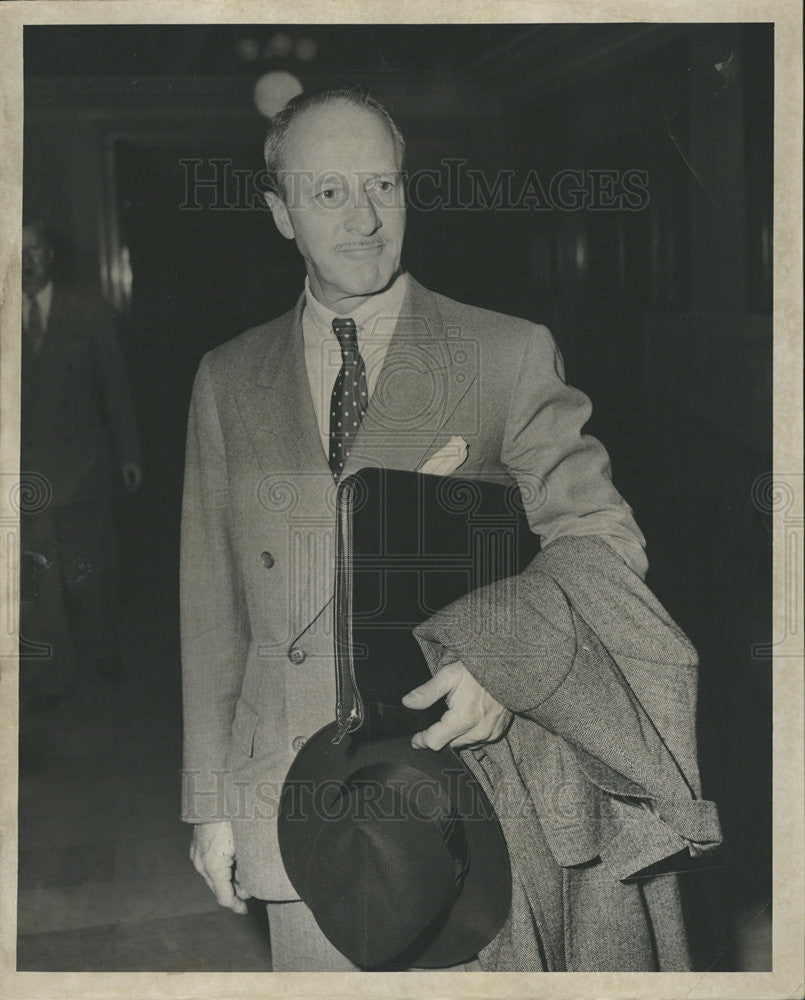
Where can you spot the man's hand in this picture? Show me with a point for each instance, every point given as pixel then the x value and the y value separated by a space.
pixel 132 476
pixel 213 855
pixel 473 715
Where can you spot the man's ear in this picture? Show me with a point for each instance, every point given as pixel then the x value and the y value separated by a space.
pixel 280 212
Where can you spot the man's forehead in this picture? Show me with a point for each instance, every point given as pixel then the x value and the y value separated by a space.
pixel 339 135
pixel 331 115
pixel 31 238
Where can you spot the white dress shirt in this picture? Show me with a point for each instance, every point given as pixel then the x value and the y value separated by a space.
pixel 375 320
pixel 44 297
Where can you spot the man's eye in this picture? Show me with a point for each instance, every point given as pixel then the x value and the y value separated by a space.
pixel 327 195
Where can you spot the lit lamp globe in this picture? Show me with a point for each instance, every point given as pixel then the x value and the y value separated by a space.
pixel 273 91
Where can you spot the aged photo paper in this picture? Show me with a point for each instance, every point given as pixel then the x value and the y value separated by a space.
pixel 645 238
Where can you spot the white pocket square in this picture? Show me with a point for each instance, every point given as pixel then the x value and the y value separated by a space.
pixel 446 460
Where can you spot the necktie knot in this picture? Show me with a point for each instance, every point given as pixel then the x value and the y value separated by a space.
pixel 347 335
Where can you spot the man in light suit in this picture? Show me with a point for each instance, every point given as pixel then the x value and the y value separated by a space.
pixel 369 368
pixel 79 444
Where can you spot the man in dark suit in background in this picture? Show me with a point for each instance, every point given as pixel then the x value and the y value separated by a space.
pixel 79 443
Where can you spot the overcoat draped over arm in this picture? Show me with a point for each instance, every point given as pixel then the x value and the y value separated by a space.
pixel 596 783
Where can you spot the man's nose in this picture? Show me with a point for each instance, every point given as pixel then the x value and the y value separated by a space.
pixel 362 217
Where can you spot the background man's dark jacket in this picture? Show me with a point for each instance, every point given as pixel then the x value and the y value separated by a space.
pixel 78 423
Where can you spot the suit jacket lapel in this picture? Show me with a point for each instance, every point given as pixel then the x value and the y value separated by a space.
pixel 277 407
pixel 427 371
pixel 425 374
pixel 51 344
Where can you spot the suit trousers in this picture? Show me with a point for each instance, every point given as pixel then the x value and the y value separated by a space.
pixel 298 945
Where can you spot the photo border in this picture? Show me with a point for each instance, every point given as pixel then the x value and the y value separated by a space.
pixel 787 978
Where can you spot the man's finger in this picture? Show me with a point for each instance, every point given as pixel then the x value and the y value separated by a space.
pixel 431 691
pixel 440 733
pixel 488 730
pixel 221 884
pixel 482 733
pixel 240 892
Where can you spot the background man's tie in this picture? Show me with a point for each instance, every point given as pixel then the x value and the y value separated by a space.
pixel 34 331
pixel 350 396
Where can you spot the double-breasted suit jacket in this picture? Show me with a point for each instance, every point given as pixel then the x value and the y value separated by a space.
pixel 258 526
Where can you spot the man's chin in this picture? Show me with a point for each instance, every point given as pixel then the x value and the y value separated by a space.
pixel 372 284
pixel 354 283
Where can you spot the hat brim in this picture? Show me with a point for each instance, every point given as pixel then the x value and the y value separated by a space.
pixel 483 903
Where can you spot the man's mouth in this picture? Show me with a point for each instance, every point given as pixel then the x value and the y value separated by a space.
pixel 360 247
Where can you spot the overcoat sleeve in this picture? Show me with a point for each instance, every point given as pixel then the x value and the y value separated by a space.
pixel 214 624
pixel 579 645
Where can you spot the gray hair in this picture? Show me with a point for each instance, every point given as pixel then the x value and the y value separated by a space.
pixel 281 122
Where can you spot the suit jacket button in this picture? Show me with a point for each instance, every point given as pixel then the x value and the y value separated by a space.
pixel 298 743
pixel 297 655
pixel 267 559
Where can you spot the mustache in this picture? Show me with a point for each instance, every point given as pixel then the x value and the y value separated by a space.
pixel 360 244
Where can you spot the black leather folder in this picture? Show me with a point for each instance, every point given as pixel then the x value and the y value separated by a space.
pixel 407 545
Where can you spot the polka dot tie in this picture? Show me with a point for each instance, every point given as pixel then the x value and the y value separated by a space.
pixel 350 397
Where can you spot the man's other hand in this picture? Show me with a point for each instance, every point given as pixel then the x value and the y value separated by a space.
pixel 473 715
pixel 213 855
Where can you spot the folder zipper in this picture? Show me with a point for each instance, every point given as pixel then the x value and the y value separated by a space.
pixel 348 708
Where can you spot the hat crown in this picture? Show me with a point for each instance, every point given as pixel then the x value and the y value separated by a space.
pixel 396 851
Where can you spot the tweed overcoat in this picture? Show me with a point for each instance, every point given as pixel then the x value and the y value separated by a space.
pixel 596 783
pixel 258 526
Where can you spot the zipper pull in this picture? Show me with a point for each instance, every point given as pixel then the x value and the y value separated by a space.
pixel 345 727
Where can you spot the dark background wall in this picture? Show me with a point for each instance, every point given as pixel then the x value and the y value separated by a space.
pixel 663 313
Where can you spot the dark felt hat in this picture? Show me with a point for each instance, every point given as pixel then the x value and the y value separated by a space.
pixel 397 852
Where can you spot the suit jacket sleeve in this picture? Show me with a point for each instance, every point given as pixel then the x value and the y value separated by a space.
pixel 114 386
pixel 214 624
pixel 564 475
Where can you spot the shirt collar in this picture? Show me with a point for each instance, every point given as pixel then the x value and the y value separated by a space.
pixel 385 305
pixel 45 297
pixel 44 294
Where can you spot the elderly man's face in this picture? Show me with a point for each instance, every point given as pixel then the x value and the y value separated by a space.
pixel 37 259
pixel 343 202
